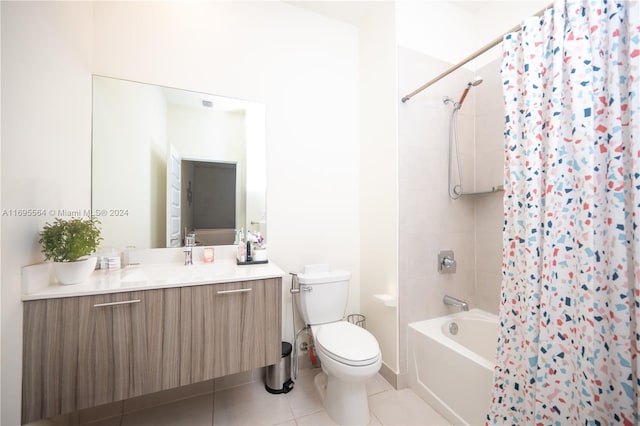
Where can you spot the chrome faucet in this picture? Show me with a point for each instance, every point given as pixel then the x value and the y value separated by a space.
pixel 449 300
pixel 189 243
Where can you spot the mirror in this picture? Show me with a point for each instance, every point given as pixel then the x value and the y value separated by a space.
pixel 166 160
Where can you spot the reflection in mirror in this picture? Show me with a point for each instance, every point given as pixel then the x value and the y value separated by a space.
pixel 208 200
pixel 166 160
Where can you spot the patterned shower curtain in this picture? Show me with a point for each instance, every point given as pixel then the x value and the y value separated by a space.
pixel 570 302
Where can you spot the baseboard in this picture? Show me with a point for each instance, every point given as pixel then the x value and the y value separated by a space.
pixel 389 375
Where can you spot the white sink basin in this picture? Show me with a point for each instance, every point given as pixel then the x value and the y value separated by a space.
pixel 175 273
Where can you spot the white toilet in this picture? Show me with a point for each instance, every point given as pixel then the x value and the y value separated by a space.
pixel 349 354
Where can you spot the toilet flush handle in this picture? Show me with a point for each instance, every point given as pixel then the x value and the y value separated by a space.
pixel 294 289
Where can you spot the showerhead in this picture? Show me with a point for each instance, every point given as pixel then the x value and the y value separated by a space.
pixel 475 82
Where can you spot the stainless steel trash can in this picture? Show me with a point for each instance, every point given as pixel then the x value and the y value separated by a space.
pixel 279 375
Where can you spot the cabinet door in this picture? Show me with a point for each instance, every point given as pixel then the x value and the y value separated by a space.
pixel 197 338
pixel 79 352
pixel 50 358
pixel 247 325
pixel 229 328
pixel 164 348
pixel 112 348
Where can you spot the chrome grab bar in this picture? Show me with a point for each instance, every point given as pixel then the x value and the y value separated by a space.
pixel 124 302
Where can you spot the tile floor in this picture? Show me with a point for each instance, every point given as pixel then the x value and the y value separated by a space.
pixel 250 404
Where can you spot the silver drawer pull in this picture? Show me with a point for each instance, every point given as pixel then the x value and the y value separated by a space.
pixel 240 290
pixel 124 302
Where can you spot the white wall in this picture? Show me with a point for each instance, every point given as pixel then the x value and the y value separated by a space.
pixel 437 28
pixel 302 66
pixel 452 30
pixel 46 153
pixel 379 175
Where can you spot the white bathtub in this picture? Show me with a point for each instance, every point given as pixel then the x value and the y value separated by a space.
pixel 454 373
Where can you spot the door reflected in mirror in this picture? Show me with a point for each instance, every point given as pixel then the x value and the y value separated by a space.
pixel 166 160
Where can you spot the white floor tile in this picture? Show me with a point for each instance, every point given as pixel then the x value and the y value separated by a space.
pixel 377 384
pixel 196 411
pixel 289 423
pixel 304 399
pixel 321 418
pixel 373 420
pixel 404 408
pixel 250 404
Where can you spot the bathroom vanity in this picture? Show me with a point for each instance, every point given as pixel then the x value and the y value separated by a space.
pixel 145 329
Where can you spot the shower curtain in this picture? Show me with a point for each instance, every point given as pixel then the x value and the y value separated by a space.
pixel 570 302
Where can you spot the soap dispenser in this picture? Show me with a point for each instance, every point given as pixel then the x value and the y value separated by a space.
pixel 251 239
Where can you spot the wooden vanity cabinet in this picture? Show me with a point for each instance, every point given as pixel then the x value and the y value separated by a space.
pixel 85 351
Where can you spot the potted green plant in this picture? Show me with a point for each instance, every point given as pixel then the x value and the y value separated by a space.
pixel 69 243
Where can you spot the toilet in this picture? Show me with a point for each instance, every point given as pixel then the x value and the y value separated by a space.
pixel 349 354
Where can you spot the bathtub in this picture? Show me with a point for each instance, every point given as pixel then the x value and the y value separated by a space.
pixel 454 373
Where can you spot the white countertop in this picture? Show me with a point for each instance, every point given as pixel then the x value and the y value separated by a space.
pixel 39 283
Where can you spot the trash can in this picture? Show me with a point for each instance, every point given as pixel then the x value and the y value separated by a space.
pixel 279 375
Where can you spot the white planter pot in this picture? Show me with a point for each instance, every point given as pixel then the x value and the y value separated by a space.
pixel 74 272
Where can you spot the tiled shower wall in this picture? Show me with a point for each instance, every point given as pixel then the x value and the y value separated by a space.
pixel 429 221
pixel 489 165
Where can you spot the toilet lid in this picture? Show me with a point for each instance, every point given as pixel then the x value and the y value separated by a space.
pixel 347 343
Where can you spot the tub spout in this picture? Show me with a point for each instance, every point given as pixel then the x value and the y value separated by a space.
pixel 449 300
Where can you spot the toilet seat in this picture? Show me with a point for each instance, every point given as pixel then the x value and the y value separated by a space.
pixel 347 343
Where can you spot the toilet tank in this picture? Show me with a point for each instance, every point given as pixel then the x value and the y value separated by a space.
pixel 323 294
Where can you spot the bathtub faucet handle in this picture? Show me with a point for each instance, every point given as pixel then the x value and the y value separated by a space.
pixel 446 262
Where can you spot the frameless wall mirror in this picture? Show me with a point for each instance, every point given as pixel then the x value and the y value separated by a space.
pixel 166 160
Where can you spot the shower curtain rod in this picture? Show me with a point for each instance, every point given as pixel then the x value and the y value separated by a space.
pixel 469 58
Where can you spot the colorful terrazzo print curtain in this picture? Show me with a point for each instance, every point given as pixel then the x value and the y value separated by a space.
pixel 570 313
